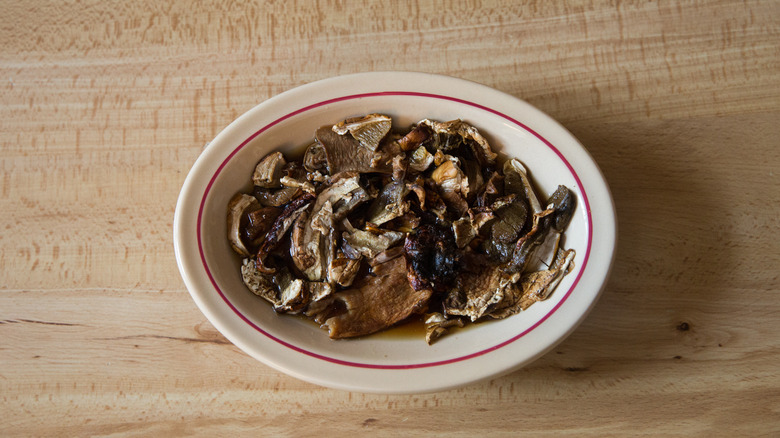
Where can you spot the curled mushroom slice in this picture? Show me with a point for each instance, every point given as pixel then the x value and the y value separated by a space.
pixel 368 130
pixel 269 170
pixel 292 292
pixel 259 283
pixel 309 249
pixel 414 138
pixel 315 158
pixel 505 230
pixel 371 244
pixel 389 204
pixel 237 206
pixel 420 160
pixel 478 293
pixel 452 184
pixel 279 229
pixel 536 286
pixel 436 325
pixel 276 198
pixel 464 132
pixel 306 186
pixel 343 270
pixel 258 223
pixel 516 181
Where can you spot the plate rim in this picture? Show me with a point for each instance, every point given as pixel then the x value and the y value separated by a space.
pixel 217 318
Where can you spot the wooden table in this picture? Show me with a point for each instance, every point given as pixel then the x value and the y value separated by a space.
pixel 105 105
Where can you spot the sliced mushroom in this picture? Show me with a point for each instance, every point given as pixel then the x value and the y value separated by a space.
pixel 452 134
pixel 310 252
pixel 420 160
pixel 237 207
pixel 477 293
pixel 304 185
pixel 343 153
pixel 258 223
pixel 259 283
pixel 293 295
pixel 269 170
pixel 516 181
pixel 505 230
pixel 387 285
pixel 389 204
pixel 536 286
pixel 414 138
pixel 371 244
pixel 436 325
pixel 276 198
pixel 343 270
pixel 452 185
pixel 368 130
pixel 315 158
pixel 493 188
pixel 279 229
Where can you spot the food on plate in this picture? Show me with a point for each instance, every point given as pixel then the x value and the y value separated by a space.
pixel 374 226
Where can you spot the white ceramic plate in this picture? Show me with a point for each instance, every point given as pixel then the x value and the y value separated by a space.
pixel 390 364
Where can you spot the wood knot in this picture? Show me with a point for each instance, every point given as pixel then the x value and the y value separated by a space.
pixel 683 327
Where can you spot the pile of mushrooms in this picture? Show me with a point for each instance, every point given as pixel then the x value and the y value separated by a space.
pixel 374 227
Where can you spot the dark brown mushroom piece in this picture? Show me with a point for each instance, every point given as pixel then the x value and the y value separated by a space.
pixel 269 170
pixel 279 228
pixel 387 285
pixel 431 258
pixel 343 153
pixel 414 138
pixel 558 214
pixel 258 223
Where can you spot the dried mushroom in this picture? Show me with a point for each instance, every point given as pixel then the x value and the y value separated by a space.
pixel 375 226
pixel 237 208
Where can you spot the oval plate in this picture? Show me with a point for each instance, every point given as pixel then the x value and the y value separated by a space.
pixel 390 364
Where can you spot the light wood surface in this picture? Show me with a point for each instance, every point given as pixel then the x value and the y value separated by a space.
pixel 105 105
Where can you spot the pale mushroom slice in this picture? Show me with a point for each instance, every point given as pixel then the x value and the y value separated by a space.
pixel 268 171
pixel 237 206
pixel 370 244
pixel 420 160
pixel 437 325
pixel 368 130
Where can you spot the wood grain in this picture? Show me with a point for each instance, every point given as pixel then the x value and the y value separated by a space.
pixel 105 105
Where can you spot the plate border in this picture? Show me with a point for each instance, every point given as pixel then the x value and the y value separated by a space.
pixel 337 361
